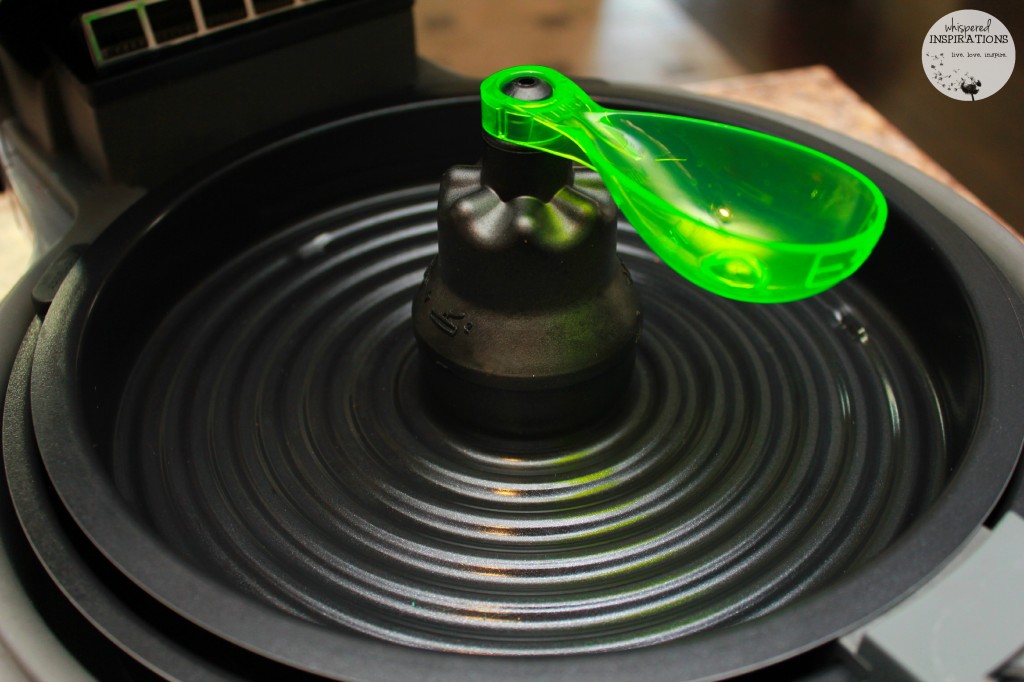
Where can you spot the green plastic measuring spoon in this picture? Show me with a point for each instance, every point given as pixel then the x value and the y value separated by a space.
pixel 740 213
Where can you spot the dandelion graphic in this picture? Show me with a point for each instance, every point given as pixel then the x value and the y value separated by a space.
pixel 948 81
pixel 969 84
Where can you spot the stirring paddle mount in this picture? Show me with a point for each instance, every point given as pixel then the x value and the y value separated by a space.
pixel 740 213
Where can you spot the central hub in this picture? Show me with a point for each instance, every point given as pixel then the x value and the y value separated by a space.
pixel 527 320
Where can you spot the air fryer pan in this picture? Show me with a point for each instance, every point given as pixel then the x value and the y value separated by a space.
pixel 226 401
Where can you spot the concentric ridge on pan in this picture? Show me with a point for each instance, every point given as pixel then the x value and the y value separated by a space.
pixel 274 433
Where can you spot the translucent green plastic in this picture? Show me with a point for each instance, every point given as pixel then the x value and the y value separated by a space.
pixel 745 215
